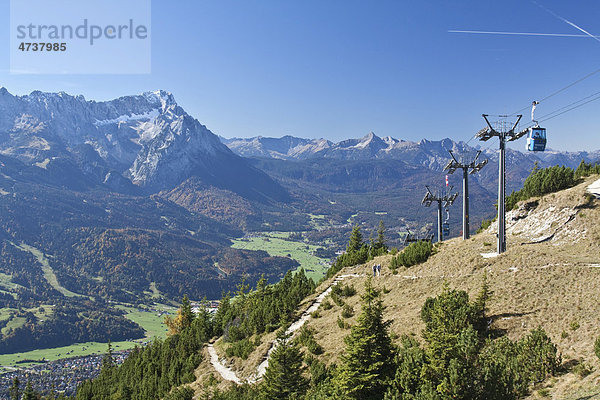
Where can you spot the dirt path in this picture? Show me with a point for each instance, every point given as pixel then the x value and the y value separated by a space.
pixel 225 372
pixel 230 375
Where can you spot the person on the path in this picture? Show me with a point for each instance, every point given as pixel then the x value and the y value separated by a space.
pixel 378 269
pixel 374 270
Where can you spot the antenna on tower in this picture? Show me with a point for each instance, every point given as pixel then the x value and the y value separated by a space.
pixel 447 199
pixel 486 134
pixel 472 167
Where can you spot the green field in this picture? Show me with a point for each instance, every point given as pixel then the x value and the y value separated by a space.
pixel 273 243
pixel 149 320
pixel 7 283
pixel 46 268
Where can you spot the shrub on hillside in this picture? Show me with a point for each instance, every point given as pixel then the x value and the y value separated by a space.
pixel 415 253
pixel 344 290
pixel 597 348
pixel 485 224
pixel 585 169
pixel 359 252
pixel 241 348
pixel 460 360
pixel 307 338
pixel 543 181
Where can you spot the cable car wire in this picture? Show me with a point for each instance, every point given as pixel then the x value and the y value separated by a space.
pixel 559 91
pixel 570 109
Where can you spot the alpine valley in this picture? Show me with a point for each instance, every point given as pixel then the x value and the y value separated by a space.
pixel 134 201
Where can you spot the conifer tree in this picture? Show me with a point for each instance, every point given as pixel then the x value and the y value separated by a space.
pixel 380 242
pixel 28 393
pixel 367 363
pixel 356 240
pixel 183 319
pixel 108 360
pixel 14 391
pixel 284 377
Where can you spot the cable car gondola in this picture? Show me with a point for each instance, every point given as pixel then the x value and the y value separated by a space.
pixel 536 136
pixel 536 139
pixel 446 229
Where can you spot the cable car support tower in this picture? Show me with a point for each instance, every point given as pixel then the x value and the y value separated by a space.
pixel 447 199
pixel 486 134
pixel 474 167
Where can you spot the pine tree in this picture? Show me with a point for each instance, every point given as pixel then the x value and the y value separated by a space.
pixel 183 319
pixel 356 240
pixel 108 360
pixel 485 293
pixel 380 242
pixel 187 315
pixel 284 377
pixel 15 393
pixel 367 363
pixel 28 393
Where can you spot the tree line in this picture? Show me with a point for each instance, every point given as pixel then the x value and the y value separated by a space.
pixel 543 181
pixel 460 359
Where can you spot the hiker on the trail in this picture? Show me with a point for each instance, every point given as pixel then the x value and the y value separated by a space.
pixel 378 269
pixel 374 270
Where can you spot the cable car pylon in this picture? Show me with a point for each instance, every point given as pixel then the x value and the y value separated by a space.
pixel 467 167
pixel 447 199
pixel 486 134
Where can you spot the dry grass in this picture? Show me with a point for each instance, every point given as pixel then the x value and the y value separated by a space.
pixel 553 284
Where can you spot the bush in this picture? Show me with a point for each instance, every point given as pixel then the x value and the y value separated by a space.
pixel 415 253
pixel 307 338
pixel 342 324
pixel 347 311
pixel 461 361
pixel 585 169
pixel 326 305
pixel 345 291
pixel 597 348
pixel 485 224
pixel 337 299
pixel 583 369
pixel 541 182
pixel 182 393
pixel 574 325
pixel 242 349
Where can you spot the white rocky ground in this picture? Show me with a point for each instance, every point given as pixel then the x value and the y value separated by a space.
pixel 594 188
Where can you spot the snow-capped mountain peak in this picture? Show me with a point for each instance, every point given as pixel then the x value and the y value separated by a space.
pixel 147 138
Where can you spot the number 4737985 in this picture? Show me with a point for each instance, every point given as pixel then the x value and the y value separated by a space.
pixel 42 46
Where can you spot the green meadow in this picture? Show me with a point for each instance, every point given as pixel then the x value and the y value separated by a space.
pixel 151 321
pixel 279 244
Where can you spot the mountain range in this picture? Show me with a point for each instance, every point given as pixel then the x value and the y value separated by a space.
pixel 143 143
pixel 123 193
pixel 432 155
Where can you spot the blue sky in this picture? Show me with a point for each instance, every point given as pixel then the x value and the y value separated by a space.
pixel 341 68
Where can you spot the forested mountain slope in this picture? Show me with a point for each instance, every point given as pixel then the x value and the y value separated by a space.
pixel 548 278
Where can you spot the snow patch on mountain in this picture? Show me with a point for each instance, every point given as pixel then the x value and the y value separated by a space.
pixel 149 115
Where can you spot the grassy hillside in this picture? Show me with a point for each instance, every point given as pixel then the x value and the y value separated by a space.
pixel 549 277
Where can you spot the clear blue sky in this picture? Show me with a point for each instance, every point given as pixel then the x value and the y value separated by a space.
pixel 341 68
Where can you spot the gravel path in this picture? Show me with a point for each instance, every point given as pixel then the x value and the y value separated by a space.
pixel 230 375
pixel 225 372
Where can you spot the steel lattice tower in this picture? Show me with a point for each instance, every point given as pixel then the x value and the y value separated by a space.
pixel 440 198
pixel 486 134
pixel 474 167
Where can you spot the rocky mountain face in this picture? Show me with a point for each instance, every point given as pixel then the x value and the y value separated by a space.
pixel 145 142
pixel 426 153
pixel 431 154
